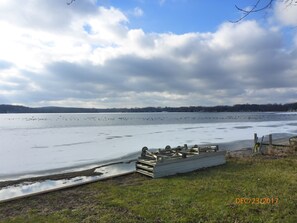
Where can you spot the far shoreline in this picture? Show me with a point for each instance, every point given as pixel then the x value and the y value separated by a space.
pixel 6 108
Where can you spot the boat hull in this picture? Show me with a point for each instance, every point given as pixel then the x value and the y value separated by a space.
pixel 180 165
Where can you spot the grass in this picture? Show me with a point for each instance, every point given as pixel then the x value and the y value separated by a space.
pixel 207 195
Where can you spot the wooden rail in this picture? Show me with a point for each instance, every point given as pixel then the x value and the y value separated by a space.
pixel 281 144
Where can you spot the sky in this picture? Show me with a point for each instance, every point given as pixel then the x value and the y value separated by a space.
pixel 140 53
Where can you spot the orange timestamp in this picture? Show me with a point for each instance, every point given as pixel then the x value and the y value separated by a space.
pixel 256 200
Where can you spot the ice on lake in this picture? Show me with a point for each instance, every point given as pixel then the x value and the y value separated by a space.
pixel 39 144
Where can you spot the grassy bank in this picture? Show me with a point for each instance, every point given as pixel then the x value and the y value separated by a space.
pixel 209 195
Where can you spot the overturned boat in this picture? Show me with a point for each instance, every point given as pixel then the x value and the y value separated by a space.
pixel 171 161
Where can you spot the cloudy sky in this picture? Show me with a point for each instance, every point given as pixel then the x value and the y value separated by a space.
pixel 138 53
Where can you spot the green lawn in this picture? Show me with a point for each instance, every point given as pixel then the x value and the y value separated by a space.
pixel 207 195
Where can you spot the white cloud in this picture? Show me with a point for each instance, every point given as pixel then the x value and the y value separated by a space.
pixel 138 12
pixel 286 13
pixel 245 36
pixel 162 2
pixel 56 60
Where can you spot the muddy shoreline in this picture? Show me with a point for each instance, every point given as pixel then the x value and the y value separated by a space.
pixel 60 176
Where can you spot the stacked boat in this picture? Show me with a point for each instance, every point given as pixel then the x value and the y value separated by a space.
pixel 182 159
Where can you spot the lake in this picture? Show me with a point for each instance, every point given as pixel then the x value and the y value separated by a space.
pixel 39 144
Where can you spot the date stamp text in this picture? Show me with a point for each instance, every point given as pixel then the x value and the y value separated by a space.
pixel 256 200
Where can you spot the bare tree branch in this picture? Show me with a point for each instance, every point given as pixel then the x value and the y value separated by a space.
pixel 256 7
pixel 252 10
pixel 71 1
pixel 289 2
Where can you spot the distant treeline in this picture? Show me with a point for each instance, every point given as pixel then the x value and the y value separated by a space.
pixel 224 108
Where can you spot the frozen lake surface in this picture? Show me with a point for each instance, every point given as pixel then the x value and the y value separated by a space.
pixel 39 144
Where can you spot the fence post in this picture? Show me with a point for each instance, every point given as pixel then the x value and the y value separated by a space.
pixel 256 145
pixel 270 139
pixel 255 138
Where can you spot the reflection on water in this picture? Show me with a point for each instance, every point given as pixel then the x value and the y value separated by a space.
pixel 31 188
